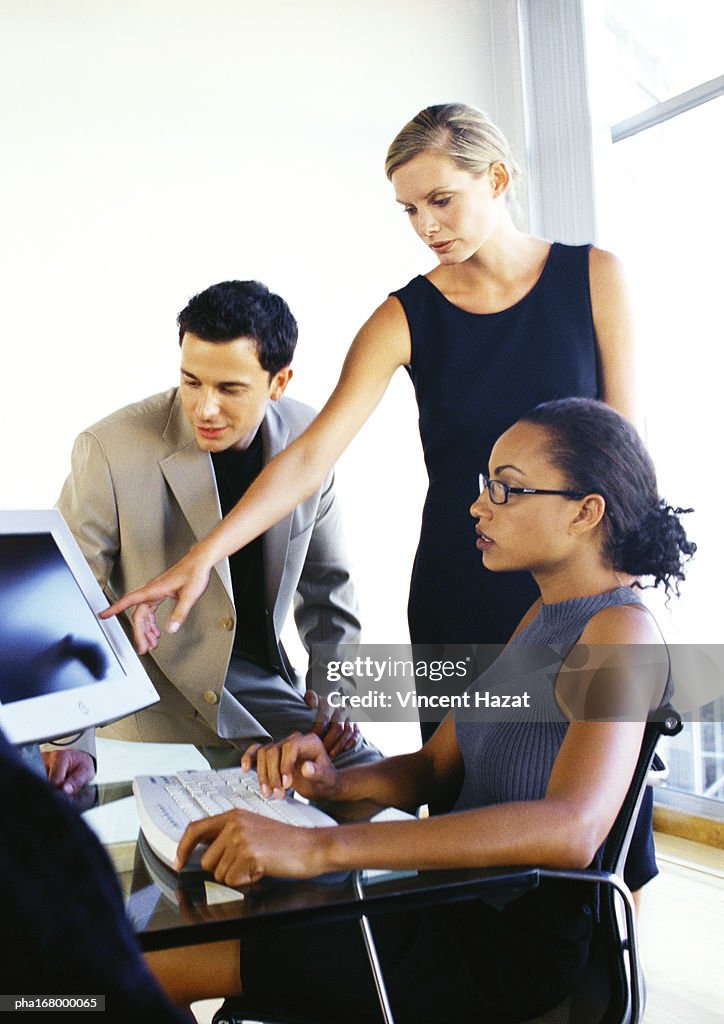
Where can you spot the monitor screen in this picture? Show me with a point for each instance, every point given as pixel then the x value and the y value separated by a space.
pixel 61 668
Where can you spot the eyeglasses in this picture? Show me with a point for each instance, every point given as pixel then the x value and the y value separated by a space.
pixel 500 492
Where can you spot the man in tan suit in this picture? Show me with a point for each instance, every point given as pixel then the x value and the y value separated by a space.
pixel 153 477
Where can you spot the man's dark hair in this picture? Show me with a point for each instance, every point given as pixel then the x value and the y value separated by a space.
pixel 243 309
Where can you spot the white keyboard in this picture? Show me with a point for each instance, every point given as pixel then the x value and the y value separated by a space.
pixel 167 803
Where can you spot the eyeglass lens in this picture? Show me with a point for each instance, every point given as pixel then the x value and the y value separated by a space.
pixel 497 490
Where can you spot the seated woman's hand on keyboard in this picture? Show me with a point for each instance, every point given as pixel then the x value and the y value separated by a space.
pixel 244 847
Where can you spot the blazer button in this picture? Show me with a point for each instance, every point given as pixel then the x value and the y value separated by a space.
pixel 227 624
pixel 210 697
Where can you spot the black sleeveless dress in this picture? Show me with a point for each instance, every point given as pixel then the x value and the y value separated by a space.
pixel 474 376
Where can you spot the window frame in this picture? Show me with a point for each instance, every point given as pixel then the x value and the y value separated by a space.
pixel 564 148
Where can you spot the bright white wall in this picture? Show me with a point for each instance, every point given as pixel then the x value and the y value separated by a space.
pixel 152 147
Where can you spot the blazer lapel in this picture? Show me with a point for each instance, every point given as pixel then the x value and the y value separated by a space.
pixel 190 475
pixel 276 539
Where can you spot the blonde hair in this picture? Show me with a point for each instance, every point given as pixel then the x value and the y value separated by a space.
pixel 464 134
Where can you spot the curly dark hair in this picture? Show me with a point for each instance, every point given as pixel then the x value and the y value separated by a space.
pixel 243 309
pixel 600 452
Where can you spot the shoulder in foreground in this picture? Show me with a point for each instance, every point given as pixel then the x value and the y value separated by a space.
pixel 155 405
pixel 623 624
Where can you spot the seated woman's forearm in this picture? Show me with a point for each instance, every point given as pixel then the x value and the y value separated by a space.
pixel 544 832
pixel 432 774
pixel 563 829
pixel 402 781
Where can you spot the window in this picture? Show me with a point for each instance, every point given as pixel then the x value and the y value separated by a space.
pixel 653 71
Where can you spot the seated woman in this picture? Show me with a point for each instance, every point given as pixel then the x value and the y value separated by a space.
pixel 571 497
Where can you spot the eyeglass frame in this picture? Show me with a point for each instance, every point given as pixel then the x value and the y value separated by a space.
pixel 485 484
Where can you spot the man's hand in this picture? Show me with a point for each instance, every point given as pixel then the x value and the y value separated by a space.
pixel 299 762
pixel 146 633
pixel 183 583
pixel 332 725
pixel 69 770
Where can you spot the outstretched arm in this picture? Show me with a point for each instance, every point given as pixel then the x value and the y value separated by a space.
pixel 381 346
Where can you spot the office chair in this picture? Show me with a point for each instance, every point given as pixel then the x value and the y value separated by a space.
pixel 611 990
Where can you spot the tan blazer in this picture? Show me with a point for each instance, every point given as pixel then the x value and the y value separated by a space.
pixel 140 492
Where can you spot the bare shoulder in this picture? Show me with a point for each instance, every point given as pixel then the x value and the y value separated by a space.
pixel 386 333
pixel 618 669
pixel 389 317
pixel 603 261
pixel 613 323
pixel 606 272
pixel 622 624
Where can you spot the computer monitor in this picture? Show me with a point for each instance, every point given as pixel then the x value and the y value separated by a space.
pixel 62 669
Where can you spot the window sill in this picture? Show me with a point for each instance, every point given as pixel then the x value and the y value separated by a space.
pixel 674 822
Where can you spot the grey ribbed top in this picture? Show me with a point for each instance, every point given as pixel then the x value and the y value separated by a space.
pixel 509 752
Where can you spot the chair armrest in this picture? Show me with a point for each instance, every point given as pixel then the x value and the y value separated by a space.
pixel 629 942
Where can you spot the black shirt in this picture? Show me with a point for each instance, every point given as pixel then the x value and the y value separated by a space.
pixel 235 470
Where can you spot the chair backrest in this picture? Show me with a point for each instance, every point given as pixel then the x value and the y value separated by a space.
pixel 667 722
pixel 605 995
